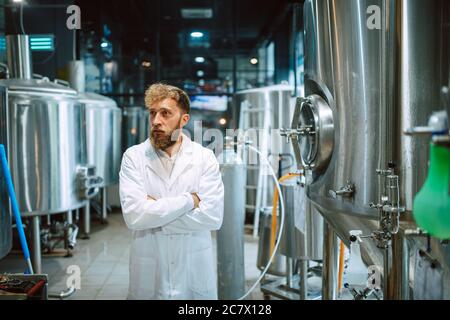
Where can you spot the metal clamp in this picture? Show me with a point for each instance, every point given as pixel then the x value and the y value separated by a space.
pixel 88 182
pixel 346 191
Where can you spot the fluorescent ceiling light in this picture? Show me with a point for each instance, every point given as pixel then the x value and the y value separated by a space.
pixel 197 34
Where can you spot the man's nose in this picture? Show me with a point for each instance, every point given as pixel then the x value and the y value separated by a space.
pixel 156 120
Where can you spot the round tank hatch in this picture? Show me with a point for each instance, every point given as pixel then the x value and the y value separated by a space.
pixel 314 138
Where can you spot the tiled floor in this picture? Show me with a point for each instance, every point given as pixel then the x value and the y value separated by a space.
pixel 103 262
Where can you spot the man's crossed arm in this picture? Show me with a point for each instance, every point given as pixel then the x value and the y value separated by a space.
pixel 180 213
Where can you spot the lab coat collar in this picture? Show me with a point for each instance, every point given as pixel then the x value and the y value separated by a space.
pixel 182 162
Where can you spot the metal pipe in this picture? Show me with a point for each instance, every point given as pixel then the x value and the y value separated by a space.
pixel 87 220
pixel 63 294
pixel 234 47
pixel 69 217
pixel 19 56
pixel 104 207
pixel 303 279
pixel 330 264
pixel 289 272
pixel 386 273
pixel 398 277
pixel 72 238
pixel 36 232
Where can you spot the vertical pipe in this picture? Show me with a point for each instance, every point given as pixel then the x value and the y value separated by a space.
pixel 303 279
pixel 341 265
pixel 398 286
pixel 288 272
pixel 295 15
pixel 19 56
pixel 386 273
pixel 304 262
pixel 104 209
pixel 234 19
pixel 36 232
pixel 330 264
pixel 70 217
pixel 87 220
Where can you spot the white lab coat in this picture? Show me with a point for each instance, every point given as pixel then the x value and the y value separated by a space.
pixel 171 251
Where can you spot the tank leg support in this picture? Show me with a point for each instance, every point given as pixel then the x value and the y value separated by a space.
pixel 104 206
pixel 330 264
pixel 36 232
pixel 87 221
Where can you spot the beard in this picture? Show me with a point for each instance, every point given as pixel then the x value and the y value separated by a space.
pixel 162 140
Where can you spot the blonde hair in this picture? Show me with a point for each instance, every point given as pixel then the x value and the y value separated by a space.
pixel 160 91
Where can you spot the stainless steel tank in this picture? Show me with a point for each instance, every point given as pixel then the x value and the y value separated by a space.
pixel 135 126
pixel 364 86
pixel 46 145
pixel 230 237
pixel 303 227
pixel 351 106
pixel 5 213
pixel 103 134
pixel 263 112
pixel 278 266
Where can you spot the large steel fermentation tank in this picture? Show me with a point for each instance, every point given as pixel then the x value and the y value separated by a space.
pixel 364 86
pixel 103 134
pixel 135 126
pixel 46 145
pixel 45 142
pixel 263 112
pixel 46 138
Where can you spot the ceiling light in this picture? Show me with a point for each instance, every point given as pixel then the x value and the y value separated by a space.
pixel 254 61
pixel 197 13
pixel 199 59
pixel 197 34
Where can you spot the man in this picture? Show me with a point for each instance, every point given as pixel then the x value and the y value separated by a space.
pixel 171 193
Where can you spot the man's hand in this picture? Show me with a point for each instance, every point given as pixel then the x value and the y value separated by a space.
pixel 196 200
pixel 150 198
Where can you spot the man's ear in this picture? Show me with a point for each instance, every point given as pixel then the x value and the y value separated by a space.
pixel 185 119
